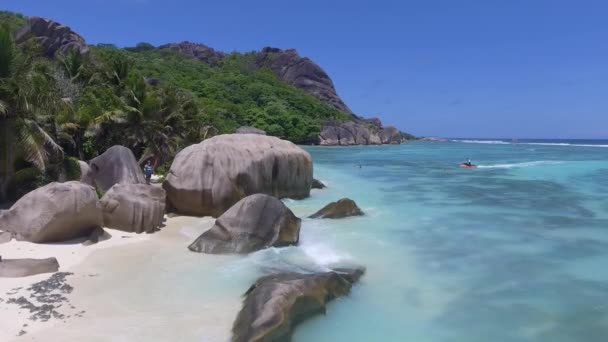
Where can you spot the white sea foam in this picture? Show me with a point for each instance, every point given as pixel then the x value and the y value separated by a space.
pixel 323 254
pixel 524 164
pixel 563 144
pixel 500 142
pixel 482 141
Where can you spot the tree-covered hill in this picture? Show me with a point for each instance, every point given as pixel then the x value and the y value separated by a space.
pixel 60 105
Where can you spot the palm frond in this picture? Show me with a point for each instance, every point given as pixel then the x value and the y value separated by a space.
pixel 3 108
pixel 45 138
pixel 33 149
pixel 131 109
pixel 7 52
pixel 112 116
pixel 65 137
pixel 37 144
pixel 25 175
pixel 94 130
pixel 69 126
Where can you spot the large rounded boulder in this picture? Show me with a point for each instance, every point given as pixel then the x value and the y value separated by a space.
pixel 117 165
pixel 255 222
pixel 133 207
pixel 210 177
pixel 54 212
pixel 275 304
pixel 86 175
pixel 339 209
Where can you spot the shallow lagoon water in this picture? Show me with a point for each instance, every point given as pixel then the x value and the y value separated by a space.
pixel 515 250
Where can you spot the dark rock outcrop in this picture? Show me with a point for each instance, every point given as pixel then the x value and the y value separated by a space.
pixel 199 51
pixel 361 132
pixel 253 223
pixel 275 304
pixel 14 268
pixel 317 184
pixel 342 208
pixel 133 207
pixel 53 37
pixel 55 212
pixel 250 130
pixel 117 165
pixel 390 135
pixel 210 177
pixel 98 234
pixel 302 73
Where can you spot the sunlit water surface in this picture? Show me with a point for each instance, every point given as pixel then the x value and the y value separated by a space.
pixel 515 250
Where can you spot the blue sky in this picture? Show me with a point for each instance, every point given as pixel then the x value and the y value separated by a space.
pixel 458 68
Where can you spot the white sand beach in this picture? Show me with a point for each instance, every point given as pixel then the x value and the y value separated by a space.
pixel 107 303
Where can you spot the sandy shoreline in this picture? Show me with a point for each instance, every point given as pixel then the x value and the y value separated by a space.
pixel 97 304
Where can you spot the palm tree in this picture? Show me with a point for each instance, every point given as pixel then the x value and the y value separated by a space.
pixel 26 100
pixel 73 76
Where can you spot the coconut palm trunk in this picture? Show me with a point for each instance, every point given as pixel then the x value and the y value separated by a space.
pixel 7 156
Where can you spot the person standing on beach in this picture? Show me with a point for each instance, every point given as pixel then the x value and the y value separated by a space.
pixel 148 171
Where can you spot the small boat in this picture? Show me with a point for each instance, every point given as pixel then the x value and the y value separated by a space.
pixel 471 166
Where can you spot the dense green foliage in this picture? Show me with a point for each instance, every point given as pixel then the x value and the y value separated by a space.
pixel 153 101
pixel 233 93
pixel 14 21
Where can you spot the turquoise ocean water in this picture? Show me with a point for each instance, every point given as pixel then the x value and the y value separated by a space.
pixel 516 250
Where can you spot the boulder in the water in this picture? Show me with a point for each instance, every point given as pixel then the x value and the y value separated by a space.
pixel 117 165
pixel 275 304
pixel 342 208
pixel 134 207
pixel 55 212
pixel 13 268
pixel 210 177
pixel 317 184
pixel 253 223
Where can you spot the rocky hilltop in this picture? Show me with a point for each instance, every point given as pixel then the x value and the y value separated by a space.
pixel 359 132
pixel 199 51
pixel 302 73
pixel 290 68
pixel 53 37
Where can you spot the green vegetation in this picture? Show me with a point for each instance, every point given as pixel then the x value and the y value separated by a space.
pixel 14 21
pixel 153 101
pixel 233 94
